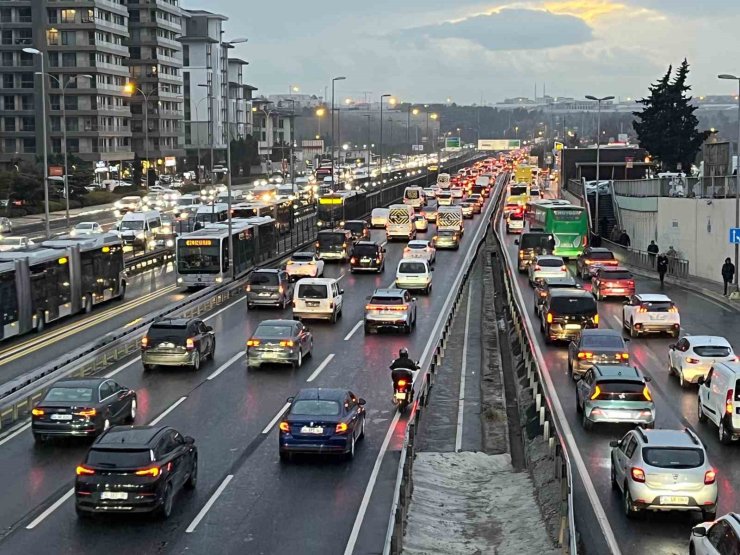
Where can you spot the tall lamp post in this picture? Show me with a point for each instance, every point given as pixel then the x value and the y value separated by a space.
pixel 380 146
pixel 414 111
pixel 598 152
pixel 292 138
pixel 737 175
pixel 320 112
pixel 367 146
pixel 197 132
pixel 334 80
pixel 38 53
pixel 131 88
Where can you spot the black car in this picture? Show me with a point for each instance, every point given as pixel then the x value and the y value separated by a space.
pixel 531 245
pixel 177 342
pixel 545 285
pixel 367 256
pixel 82 407
pixel 322 421
pixel 566 312
pixel 135 469
pixel 359 229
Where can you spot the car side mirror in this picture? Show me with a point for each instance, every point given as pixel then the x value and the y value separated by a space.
pixel 699 531
pixel 701 380
pixel 516 241
pixel 361 401
pixel 672 346
pixel 189 440
pixel 341 291
pixel 209 328
pixel 289 399
pixel 626 303
pixel 627 340
pixel 614 443
pixel 413 299
pixel 648 379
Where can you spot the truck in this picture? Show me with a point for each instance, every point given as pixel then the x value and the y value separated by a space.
pixel 450 218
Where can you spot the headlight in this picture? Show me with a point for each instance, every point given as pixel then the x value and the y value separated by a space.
pixel 170 243
pixel 118 204
pixel 219 279
pixel 179 280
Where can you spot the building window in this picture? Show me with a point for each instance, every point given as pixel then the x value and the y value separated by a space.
pixel 7 37
pixel 10 145
pixel 54 102
pixel 52 37
pixel 88 17
pixel 73 145
pixel 24 15
pixel 26 80
pixel 7 58
pixel 5 15
pixel 9 101
pixel 72 124
pixel 69 59
pixel 9 124
pixel 56 124
pixel 28 124
pixel 52 15
pixel 69 38
pixel 70 102
pixel 27 102
pixel 56 145
pixel 68 16
pixel 91 38
pixel 29 145
pixel 186 54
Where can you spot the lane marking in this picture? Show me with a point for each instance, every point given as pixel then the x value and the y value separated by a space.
pixel 39 519
pixel 15 433
pixel 207 507
pixel 121 368
pixel 463 371
pixel 228 306
pixel 323 365
pixel 277 417
pixel 353 330
pixel 226 364
pixel 172 407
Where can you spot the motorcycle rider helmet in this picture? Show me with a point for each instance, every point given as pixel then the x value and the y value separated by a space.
pixel 403 353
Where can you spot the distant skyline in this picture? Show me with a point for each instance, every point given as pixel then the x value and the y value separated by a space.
pixel 472 51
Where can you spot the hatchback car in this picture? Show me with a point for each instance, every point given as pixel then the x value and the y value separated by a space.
pixel 421 223
pixel 322 421
pixel 269 287
pixel 543 287
pixel 304 264
pixel 566 313
pixel 515 223
pixel 414 274
pixel 596 346
pixel 721 537
pixel 367 256
pixel 135 469
pixel 75 407
pixel 691 357
pixel 419 248
pixel 177 342
pixel 610 393
pixel 430 214
pixel 467 209
pixel 547 266
pixel 593 257
pixel 279 342
pixel 359 229
pixel 663 470
pixel 86 228
pixel 390 309
pixel 612 281
pixel 446 239
pixel 644 314
pixel 478 199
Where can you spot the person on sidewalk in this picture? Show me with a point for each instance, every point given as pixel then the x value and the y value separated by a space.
pixel 671 252
pixel 728 273
pixel 615 234
pixel 652 251
pixel 624 239
pixel 662 267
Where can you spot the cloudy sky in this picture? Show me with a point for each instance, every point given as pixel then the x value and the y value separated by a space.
pixel 467 50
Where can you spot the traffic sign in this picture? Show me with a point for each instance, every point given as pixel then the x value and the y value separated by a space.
pixel 629 162
pixel 735 235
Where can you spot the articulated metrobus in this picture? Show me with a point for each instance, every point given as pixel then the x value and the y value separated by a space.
pixel 568 224
pixel 336 208
pixel 279 210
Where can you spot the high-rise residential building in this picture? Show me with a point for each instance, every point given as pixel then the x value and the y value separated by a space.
pixel 156 86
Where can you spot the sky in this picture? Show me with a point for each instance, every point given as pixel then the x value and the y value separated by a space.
pixel 471 51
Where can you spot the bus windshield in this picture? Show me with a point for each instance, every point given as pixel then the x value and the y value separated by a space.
pixel 517 190
pixel 331 239
pixel 132 225
pixel 198 260
pixel 412 193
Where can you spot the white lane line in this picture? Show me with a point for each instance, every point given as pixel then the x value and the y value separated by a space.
pixel 227 307
pixel 323 365
pixel 463 371
pixel 353 330
pixel 120 368
pixel 617 321
pixel 341 276
pixel 207 507
pixel 15 433
pixel 278 416
pixel 226 364
pixel 172 407
pixel 39 519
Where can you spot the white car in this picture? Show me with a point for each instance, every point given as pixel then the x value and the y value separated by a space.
pixel 86 228
pixel 414 274
pixel 430 192
pixel 304 264
pixel 651 314
pixel 456 192
pixel 421 223
pixel 379 217
pixel 15 243
pixel 691 357
pixel 419 248
pixel 720 537
pixel 547 266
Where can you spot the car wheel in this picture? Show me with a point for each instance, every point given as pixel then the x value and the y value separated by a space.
pixel 725 438
pixel 579 410
pixel 193 478
pixel 629 509
pixel 613 474
pixel 676 333
pixel 88 303
pixel 633 331
pixel 681 381
pixel 368 329
pixel 548 340
pixel 362 429
pixel 587 424
pixel 131 412
pixel 196 362
pixel 212 354
pixel 250 306
pixel 297 363
pixel 407 329
pixel 148 367
pixel 82 514
pixel 40 323
pixel 310 349
pixel 351 453
pixel 39 439
pixel 707 515
pixel 165 510
pixel 701 417
pixel 333 317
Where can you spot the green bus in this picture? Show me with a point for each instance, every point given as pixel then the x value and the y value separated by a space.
pixel 567 223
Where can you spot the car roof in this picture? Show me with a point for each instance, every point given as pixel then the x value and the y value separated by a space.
pixel 567 280
pixel 601 331
pixel 708 340
pixel 652 298
pixel 355 222
pixel 613 269
pixel 318 281
pixel 549 257
pixel 418 241
pixel 327 393
pixel 304 253
pixel 79 382
pixel 277 322
pixel 266 271
pixel 621 371
pixel 133 437
pixel 599 249
pixel 367 243
pixel 568 292
pixel 670 438
pixel 733 367
pixel 388 292
pixel 172 322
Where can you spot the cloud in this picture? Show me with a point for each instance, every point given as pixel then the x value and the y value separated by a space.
pixel 508 29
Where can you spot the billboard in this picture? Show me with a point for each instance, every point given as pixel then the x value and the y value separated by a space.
pixel 498 144
pixel 452 142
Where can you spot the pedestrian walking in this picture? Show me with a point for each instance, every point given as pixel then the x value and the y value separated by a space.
pixel 728 273
pixel 615 234
pixel 662 267
pixel 652 251
pixel 624 239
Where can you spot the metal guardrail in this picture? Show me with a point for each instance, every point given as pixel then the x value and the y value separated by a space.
pixel 678 267
pixel 149 260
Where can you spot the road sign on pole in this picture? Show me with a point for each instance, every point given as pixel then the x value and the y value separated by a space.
pixel 735 235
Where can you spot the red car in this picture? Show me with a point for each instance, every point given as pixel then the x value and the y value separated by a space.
pixel 612 281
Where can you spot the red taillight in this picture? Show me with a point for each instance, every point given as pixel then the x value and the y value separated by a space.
pixel 152 471
pixel 253 343
pixel 249 288
pixel 288 343
pixel 89 413
pixel 596 393
pixel 710 476
pixel 284 426
pixel 549 317
pixel 623 356
pixel 401 383
pixel 585 355
pixel 642 310
pixel 190 344
pixel 37 412
pixel 537 268
pixel 563 268
pixel 353 260
pixel 84 471
pixel 673 310
pixel 692 360
pixel 646 394
pixel 728 401
pixel 341 428
pixel 145 342
pixel 638 474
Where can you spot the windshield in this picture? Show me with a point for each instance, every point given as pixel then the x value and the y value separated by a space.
pixel 84 226
pixel 331 239
pixel 198 260
pixel 119 458
pixel 601 342
pixel 412 268
pixel 302 257
pixel 132 225
pixel 657 306
pixel 355 227
pixel 421 246
pixel 166 334
pixel 268 330
pixel 69 395
pixel 573 305
pixel 616 275
pixel 315 407
pixel 550 262
pixel 386 300
pixel 312 291
pixel 446 233
pixel 412 194
pixel 365 250
pixel 601 256
pixel 517 190
pixel 263 278
pixel 567 214
pixel 712 351
pixel 671 457
pixel 532 240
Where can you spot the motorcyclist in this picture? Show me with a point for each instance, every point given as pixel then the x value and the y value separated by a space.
pixel 403 366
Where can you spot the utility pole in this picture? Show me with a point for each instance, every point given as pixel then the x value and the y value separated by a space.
pixel 382 96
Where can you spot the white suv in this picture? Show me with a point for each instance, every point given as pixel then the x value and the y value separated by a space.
pixel 721 537
pixel 719 399
pixel 651 314
pixel 692 356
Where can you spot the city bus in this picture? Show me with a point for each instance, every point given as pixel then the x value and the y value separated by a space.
pixel 568 224
pixel 279 210
pixel 336 208
pixel 518 193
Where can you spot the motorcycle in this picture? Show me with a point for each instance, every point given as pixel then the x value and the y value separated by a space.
pixel 403 387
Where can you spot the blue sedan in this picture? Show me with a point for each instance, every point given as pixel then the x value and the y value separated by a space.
pixel 322 421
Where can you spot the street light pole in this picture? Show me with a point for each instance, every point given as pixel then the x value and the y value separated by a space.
pixel 737 176
pixel 334 80
pixel 380 146
pixel 369 157
pixel 598 151
pixel 40 54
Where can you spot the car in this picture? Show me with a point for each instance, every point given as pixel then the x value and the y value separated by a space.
pixel 456 192
pixel 127 204
pixel 319 298
pixel 304 264
pixel 721 537
pixel 530 245
pixel 414 274
pixel 359 229
pixel 79 407
pixel 547 266
pixel 86 228
pixel 718 400
pixel 596 346
pixel 446 239
pixel 15 243
pixel 515 223
pixel 444 198
pixel 467 209
pixel 547 284
pixel 565 313
pixel 177 342
pixel 6 226
pixel 512 206
pixel 593 257
pixel 663 470
pixel 420 248
pixel 430 192
pixel 691 357
pixel 379 217
pixel 420 222
pixel 616 394
pixel 135 469
pixel 279 342
pixel 390 308
pixel 430 214
pixel 612 281
pixel 268 286
pixel 322 421
pixel 367 256
pixel 644 314
pixel 478 201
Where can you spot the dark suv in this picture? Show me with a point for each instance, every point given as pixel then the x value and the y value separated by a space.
pixel 177 342
pixel 367 256
pixel 359 229
pixel 135 469
pixel 532 245
pixel 566 312
pixel 547 284
pixel 269 287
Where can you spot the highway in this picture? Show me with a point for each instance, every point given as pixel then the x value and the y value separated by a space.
pixel 654 534
pixel 246 501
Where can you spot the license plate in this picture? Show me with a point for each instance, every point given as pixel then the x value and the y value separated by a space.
pixel 264 294
pixel 270 355
pixel 365 260
pixel 673 500
pixel 657 317
pixel 166 345
pixel 114 495
pixel 572 326
pixel 61 417
pixel 400 395
pixel 618 290
pixel 312 303
pixel 312 430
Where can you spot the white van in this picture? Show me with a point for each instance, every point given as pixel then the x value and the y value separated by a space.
pixel 138 228
pixel 719 399
pixel 414 274
pixel 319 298
pixel 414 197
pixel 379 217
pixel 211 214
pixel 450 218
pixel 443 181
pixel 400 222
